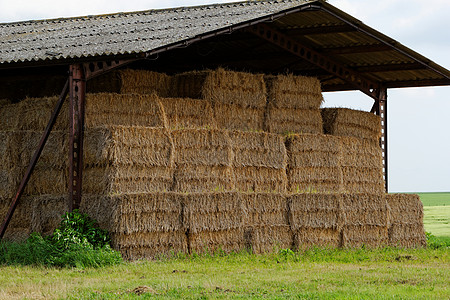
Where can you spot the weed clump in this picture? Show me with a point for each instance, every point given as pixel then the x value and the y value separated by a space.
pixel 77 242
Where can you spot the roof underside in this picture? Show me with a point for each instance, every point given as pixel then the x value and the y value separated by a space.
pixel 181 39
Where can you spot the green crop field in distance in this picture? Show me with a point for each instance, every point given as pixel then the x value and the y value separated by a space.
pixel 436 207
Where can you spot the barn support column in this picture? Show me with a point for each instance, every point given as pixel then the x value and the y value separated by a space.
pixel 34 159
pixel 380 109
pixel 77 97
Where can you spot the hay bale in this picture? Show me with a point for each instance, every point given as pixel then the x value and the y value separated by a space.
pixel 348 122
pixel 259 161
pixel 188 113
pixel 364 209
pixel 308 237
pixel 212 212
pixel 129 81
pixel 8 116
pixel 45 181
pixel 313 163
pixel 229 240
pixel 372 236
pixel 292 120
pixel 124 145
pixel 223 87
pixel 47 211
pixel 235 117
pixel 315 211
pixel 4 102
pixel 203 160
pixel 406 221
pixel 268 238
pixel 289 91
pixel 124 109
pixel 19 227
pixel 150 245
pixel 264 209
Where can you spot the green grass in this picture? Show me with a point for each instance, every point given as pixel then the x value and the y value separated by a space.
pixel 435 199
pixel 436 213
pixel 315 274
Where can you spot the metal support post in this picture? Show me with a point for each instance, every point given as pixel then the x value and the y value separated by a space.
pixel 77 82
pixel 34 159
pixel 381 110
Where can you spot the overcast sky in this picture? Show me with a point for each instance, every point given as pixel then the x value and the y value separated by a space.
pixel 418 118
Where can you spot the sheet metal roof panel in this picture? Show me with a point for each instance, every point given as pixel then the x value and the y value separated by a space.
pixel 124 33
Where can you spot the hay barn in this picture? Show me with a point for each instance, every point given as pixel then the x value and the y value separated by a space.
pixel 200 128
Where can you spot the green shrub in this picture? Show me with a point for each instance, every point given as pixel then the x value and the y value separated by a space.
pixel 77 242
pixel 435 242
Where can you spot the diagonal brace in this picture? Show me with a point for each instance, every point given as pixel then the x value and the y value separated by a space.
pixel 354 78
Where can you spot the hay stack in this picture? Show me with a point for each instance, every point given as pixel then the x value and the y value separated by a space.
pixel 121 159
pixel 293 104
pixel 259 161
pixel 188 113
pixel 313 163
pixel 20 225
pixel 235 117
pixel 47 211
pixel 132 82
pixel 406 221
pixel 203 160
pixel 348 122
pixel 315 219
pixel 222 86
pixel 128 110
pixel 365 220
pixel 141 225
pixel 362 166
pixel 266 224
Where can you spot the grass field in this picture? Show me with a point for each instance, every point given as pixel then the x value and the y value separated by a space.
pixel 316 274
pixel 436 213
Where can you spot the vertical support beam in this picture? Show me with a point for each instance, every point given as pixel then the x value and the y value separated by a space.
pixel 77 82
pixel 381 110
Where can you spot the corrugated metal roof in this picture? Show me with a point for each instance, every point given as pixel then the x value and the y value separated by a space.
pixel 124 33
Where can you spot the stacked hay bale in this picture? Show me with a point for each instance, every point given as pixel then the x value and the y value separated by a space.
pixel 266 223
pixel 406 221
pixel 203 160
pixel 238 99
pixel 365 219
pixel 259 162
pixel 213 221
pixel 293 104
pixel 142 225
pixel 315 219
pixel 314 163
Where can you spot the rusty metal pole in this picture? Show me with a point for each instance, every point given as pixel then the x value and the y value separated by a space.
pixel 77 89
pixel 34 159
pixel 381 110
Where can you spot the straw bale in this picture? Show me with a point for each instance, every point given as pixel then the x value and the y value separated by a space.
pixel 4 102
pixel 405 208
pixel 260 179
pixel 119 179
pixel 314 211
pixel 363 180
pixel 47 211
pixel 223 86
pixel 359 153
pixel 314 179
pixel 197 178
pixel 355 236
pixel 261 209
pixel 407 235
pixel 8 116
pixel 313 143
pixel 123 145
pixel 348 122
pixel 364 209
pixel 129 81
pixel 205 147
pixel 20 224
pixel 258 149
pixel 124 109
pixel 289 91
pixel 45 181
pixel 268 238
pixel 188 113
pixel 150 245
pixel 7 184
pixel 229 240
pixel 292 120
pixel 307 237
pixel 212 212
pixel 235 117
